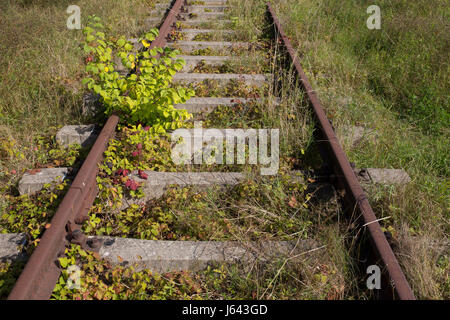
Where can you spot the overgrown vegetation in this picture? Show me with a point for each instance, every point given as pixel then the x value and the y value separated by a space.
pixel 233 88
pixel 214 213
pixel 41 70
pixel 142 95
pixel 41 81
pixel 213 24
pixel 9 272
pixel 290 277
pixel 213 36
pixel 394 80
pixel 31 213
pixel 275 208
pixel 41 65
pixel 28 214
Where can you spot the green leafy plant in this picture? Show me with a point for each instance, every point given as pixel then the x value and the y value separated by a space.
pixel 97 279
pixel 235 22
pixel 32 213
pixel 137 148
pixel 134 150
pixel 207 36
pixel 102 281
pixel 142 95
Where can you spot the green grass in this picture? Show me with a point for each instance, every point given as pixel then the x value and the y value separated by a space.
pixel 282 277
pixel 213 36
pixel 394 80
pixel 41 67
pixel 42 64
pixel 256 209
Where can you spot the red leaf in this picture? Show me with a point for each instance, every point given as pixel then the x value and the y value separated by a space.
pixel 142 175
pixel 134 185
pixel 34 171
pixel 293 202
pixel 131 184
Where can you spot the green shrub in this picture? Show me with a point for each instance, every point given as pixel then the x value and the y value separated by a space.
pixel 143 95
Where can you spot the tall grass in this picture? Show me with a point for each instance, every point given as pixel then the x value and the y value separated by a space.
pixel 41 66
pixel 394 80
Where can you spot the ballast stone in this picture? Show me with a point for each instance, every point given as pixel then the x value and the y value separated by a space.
pixel 383 176
pixel 32 183
pixel 10 247
pixel 83 135
pixel 166 256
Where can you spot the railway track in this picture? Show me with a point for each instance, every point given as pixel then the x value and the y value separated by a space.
pixel 42 272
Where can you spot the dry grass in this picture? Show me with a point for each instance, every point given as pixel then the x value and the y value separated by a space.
pixel 41 69
pixel 419 256
pixel 370 78
pixel 42 64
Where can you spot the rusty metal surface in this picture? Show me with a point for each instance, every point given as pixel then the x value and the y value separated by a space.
pixel 344 172
pixel 167 25
pixel 41 273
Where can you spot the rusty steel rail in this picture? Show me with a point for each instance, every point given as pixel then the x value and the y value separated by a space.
pixel 41 272
pixel 168 24
pixel 347 178
pixel 38 279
